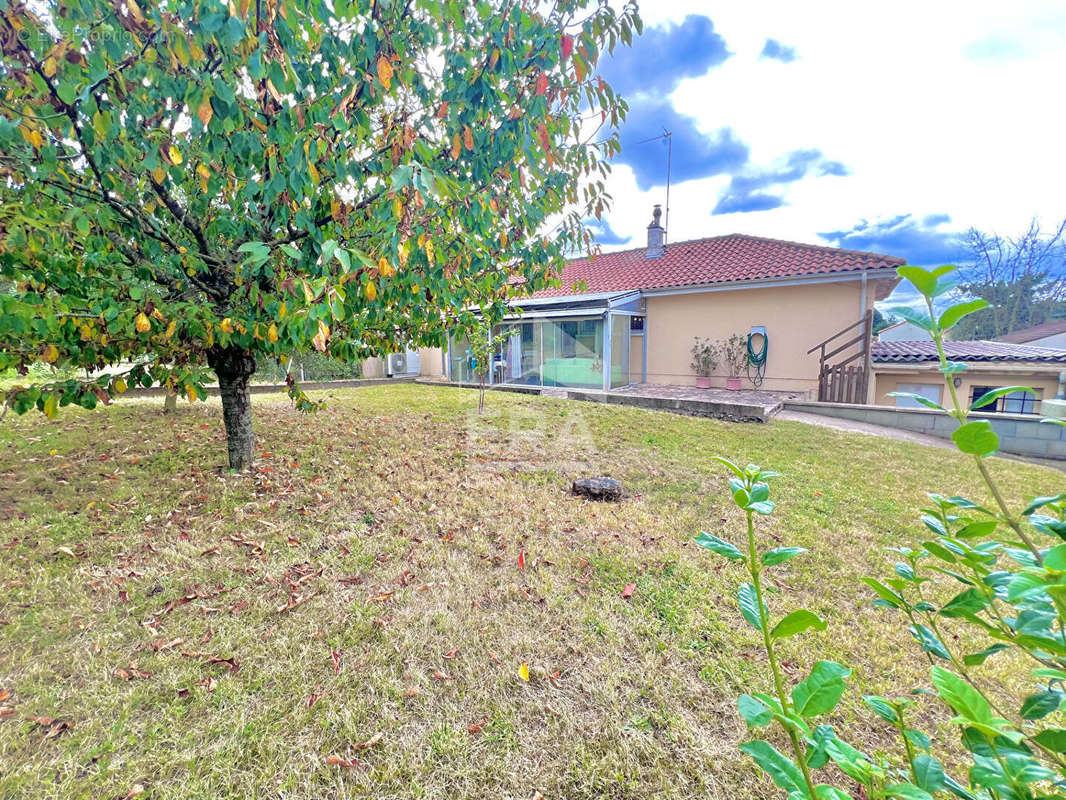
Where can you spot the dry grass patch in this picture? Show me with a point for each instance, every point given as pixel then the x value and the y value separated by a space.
pixel 351 620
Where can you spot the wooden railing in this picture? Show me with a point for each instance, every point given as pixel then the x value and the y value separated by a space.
pixel 845 381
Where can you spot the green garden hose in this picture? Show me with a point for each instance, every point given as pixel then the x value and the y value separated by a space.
pixel 757 360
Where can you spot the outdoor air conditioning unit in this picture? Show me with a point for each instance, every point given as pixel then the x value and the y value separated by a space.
pixel 396 364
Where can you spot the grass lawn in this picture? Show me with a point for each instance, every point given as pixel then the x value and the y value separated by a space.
pixel 204 635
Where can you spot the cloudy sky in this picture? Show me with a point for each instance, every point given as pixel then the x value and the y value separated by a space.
pixel 884 127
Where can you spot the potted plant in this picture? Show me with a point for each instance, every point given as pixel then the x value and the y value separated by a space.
pixel 735 353
pixel 704 360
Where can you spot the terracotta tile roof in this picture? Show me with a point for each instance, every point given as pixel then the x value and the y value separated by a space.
pixel 915 352
pixel 1035 332
pixel 719 259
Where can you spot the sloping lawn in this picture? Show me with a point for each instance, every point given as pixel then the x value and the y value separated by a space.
pixel 170 627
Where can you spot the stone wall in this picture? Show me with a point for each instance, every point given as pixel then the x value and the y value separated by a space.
pixel 1021 434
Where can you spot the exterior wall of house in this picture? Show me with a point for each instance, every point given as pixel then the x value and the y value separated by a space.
pixel 796 317
pixel 374 368
pixel 636 358
pixel 1043 378
pixel 431 362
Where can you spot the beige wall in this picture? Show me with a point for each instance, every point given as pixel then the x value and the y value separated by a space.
pixel 1042 378
pixel 796 318
pixel 636 359
pixel 374 368
pixel 430 362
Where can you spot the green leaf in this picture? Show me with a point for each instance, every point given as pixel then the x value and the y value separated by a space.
pixel 929 642
pixel 907 791
pixel 781 769
pixel 779 555
pixel 797 622
pixel 764 507
pixel 995 394
pixel 1039 502
pixel 1055 558
pixel 929 773
pixel 749 605
pixel 975 530
pixel 1053 739
pixel 924 280
pixel 925 401
pixel 732 467
pixel 976 659
pixel 951 317
pixel 716 545
pixel 1039 704
pixel 755 712
pixel 913 317
pixel 1048 525
pixel 888 596
pixel 976 438
pixel 881 707
pixel 964 604
pixel 822 689
pixel 970 705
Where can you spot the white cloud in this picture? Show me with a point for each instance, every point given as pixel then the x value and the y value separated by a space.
pixel 944 107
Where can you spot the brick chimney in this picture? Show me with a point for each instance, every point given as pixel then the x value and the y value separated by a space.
pixel 656 235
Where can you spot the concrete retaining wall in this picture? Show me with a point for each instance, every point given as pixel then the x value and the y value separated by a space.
pixel 1022 434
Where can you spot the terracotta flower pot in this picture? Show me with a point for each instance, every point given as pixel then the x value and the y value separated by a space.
pixel 703 382
pixel 732 384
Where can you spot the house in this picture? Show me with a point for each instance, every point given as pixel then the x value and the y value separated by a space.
pixel 902 331
pixel 632 316
pixel 914 367
pixel 1049 334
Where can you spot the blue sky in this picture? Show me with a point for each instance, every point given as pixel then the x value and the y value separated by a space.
pixel 892 128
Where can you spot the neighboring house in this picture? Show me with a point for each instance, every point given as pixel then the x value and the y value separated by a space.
pixel 1049 334
pixel 914 367
pixel 902 332
pixel 636 313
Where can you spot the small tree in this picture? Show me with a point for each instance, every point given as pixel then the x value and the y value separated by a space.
pixel 704 357
pixel 734 352
pixel 481 359
pixel 193 183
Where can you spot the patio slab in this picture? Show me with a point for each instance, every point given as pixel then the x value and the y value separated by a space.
pixel 736 406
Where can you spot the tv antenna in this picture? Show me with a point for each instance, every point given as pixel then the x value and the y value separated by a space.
pixel 668 136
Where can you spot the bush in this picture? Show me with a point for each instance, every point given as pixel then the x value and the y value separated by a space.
pixel 1003 571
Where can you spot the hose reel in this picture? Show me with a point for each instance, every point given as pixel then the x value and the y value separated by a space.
pixel 757 357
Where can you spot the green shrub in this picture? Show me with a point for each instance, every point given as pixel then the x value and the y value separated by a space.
pixel 1004 570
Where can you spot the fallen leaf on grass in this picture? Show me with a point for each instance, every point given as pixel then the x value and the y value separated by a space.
pixel 414 691
pixel 65 551
pixel 523 671
pixel 475 729
pixel 495 658
pixel 337 761
pixel 315 696
pixel 6 711
pixel 521 559
pixel 335 659
pixel 208 683
pixel 381 598
pixel 4 694
pixel 440 676
pixel 373 740
pixel 452 653
pixel 628 591
pixel 135 790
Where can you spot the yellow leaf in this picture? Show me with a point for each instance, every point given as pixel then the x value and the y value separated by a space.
pixel 259 125
pixel 385 72
pixel 523 671
pixel 171 328
pixel 175 155
pixel 319 339
pixel 397 207
pixel 457 146
pixel 190 392
pixel 371 291
pixel 203 171
pixel 86 333
pixel 50 354
pixel 142 323
pixel 314 173
pixel 159 174
pixel 415 289
pixel 51 406
pixel 503 238
pixel 120 386
pixel 429 250
pixel 49 67
pixel 272 333
pixel 135 11
pixel 205 112
pixel 226 325
pixel 405 251
pixel 385 268
pixel 468 137
pixel 282 311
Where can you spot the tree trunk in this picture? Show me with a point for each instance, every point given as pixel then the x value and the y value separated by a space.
pixel 170 403
pixel 234 367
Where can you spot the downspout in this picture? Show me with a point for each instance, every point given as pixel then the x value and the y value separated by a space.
pixel 607 349
pixel 862 297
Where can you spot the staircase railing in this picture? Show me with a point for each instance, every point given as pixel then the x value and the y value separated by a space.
pixel 845 381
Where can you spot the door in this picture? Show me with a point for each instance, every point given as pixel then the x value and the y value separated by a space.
pixel 930 391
